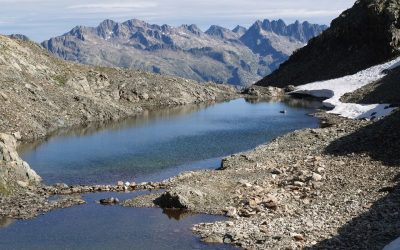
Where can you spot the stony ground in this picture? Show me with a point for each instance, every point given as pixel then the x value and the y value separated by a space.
pixel 27 203
pixel 328 188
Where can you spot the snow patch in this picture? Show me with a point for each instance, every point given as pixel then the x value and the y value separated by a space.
pixel 334 89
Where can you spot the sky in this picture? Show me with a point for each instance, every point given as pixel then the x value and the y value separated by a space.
pixel 42 19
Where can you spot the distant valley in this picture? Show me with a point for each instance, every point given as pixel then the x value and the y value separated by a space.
pixel 240 56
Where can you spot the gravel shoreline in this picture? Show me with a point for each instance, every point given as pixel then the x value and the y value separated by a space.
pixel 328 188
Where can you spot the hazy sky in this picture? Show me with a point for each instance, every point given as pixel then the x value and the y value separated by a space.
pixel 41 19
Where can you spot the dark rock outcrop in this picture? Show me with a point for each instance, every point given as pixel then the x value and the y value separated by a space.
pixel 172 200
pixel 365 35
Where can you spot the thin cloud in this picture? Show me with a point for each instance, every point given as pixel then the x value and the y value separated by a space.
pixel 41 19
pixel 105 7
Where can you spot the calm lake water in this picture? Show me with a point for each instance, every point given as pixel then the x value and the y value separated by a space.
pixel 152 146
pixel 149 147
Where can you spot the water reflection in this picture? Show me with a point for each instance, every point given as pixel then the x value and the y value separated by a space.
pixel 141 119
pixel 177 214
pixel 6 222
pixel 91 226
pixel 148 116
pixel 290 101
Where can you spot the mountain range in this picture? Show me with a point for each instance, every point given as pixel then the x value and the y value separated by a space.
pixel 240 56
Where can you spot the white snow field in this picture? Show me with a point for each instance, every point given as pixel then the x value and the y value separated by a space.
pixel 334 89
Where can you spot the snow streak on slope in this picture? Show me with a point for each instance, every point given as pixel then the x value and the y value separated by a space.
pixel 334 89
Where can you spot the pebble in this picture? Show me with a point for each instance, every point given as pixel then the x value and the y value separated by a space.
pixel 316 177
pixel 276 171
pixel 298 237
pixel 231 212
pixel 109 201
pixel 23 184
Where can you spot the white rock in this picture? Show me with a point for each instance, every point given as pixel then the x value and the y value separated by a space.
pixel 17 135
pixel 23 184
pixel 298 183
pixel 231 212
pixel 316 177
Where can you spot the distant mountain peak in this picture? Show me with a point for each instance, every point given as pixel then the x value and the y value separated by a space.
pixel 107 24
pixel 257 24
pixel 216 28
pixel 135 23
pixel 220 32
pixel 297 30
pixel 192 28
pixel 240 30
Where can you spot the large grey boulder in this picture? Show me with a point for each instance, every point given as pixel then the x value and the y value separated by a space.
pixel 14 172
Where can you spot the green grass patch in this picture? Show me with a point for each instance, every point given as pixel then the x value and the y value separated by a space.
pixel 60 79
pixel 4 190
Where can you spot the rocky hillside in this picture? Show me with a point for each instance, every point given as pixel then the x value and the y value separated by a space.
pixel 40 93
pixel 240 56
pixel 367 34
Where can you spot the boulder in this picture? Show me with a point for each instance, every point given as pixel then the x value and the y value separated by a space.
pixel 109 201
pixel 181 197
pixel 171 199
pixel 14 172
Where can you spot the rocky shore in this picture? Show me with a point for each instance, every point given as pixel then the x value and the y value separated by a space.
pixel 328 188
pixel 33 200
pixel 40 94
